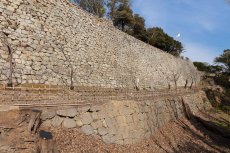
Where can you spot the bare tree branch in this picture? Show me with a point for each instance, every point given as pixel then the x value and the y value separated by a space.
pixel 176 77
pixel 10 52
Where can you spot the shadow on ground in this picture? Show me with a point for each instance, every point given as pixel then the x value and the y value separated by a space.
pixel 218 136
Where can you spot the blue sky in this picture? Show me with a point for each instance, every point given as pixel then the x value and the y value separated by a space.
pixel 204 25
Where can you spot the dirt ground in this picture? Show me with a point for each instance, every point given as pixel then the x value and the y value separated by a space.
pixel 179 136
pixel 14 137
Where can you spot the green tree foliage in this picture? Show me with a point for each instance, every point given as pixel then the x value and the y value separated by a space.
pixel 96 7
pixel 223 80
pixel 158 38
pixel 123 16
pixel 224 59
pixel 205 67
pixel 113 6
pixel 216 68
pixel 139 30
pixel 202 66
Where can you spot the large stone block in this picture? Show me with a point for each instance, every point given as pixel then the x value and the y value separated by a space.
pixel 72 112
pixel 87 129
pixel 84 109
pixel 95 115
pixel 69 123
pixel 96 124
pixel 47 114
pixel 102 131
pixel 78 121
pixel 57 121
pixel 109 138
pixel 86 118
pixel 47 123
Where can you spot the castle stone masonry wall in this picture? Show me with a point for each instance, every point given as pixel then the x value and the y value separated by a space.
pixel 51 38
pixel 124 122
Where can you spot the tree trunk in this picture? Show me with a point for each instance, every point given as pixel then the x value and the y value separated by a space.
pixel 71 80
pixel 10 52
pixel 123 26
pixel 175 84
pixel 191 85
pixel 10 83
pixel 186 84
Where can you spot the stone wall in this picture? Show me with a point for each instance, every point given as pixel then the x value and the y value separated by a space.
pixel 52 38
pixel 124 122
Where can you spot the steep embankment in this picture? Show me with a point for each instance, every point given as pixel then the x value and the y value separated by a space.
pixel 55 42
pixel 176 136
pixel 127 121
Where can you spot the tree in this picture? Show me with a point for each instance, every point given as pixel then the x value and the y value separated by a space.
pixel 224 59
pixel 216 68
pixel 158 38
pixel 113 6
pixel 96 7
pixel 139 30
pixel 202 66
pixel 4 40
pixel 208 68
pixel 123 16
pixel 176 77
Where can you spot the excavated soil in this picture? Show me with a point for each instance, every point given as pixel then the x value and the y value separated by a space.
pixel 179 136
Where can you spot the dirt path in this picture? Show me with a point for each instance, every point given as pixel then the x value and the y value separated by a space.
pixel 14 137
pixel 40 97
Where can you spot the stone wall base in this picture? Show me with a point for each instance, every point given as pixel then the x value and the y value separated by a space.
pixel 124 122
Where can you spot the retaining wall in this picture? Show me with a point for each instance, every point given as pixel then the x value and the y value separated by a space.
pixel 124 122
pixel 51 39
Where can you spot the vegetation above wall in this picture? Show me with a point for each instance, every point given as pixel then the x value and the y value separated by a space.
pixel 205 67
pixel 224 59
pixel 221 77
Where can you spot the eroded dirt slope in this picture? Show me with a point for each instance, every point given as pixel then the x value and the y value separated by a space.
pixel 180 136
